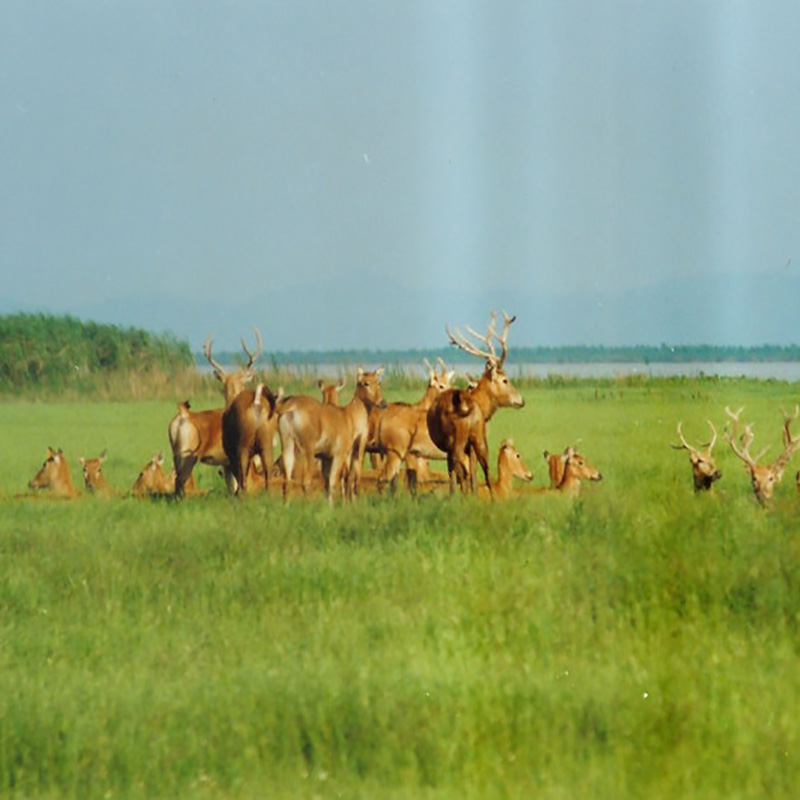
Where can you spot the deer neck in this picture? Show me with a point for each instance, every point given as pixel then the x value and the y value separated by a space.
pixel 484 399
pixel 427 399
pixel 503 484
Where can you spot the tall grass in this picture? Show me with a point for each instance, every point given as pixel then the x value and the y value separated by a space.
pixel 640 641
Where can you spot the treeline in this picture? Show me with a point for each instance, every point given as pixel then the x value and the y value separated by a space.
pixel 638 354
pixel 41 350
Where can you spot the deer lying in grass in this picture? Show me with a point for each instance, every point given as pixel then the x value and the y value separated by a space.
pixel 403 435
pixel 457 418
pixel 704 468
pixel 763 477
pixel 93 478
pixel 509 466
pixel 337 435
pixel 197 435
pixel 568 469
pixel 54 475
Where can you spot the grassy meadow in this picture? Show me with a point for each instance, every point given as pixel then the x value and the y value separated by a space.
pixel 639 641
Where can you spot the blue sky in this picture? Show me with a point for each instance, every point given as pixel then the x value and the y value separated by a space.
pixel 359 173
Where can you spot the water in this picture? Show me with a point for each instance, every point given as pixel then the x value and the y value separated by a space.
pixel 772 370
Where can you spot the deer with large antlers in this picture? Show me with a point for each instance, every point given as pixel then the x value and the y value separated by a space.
pixel 336 435
pixel 704 468
pixel 197 435
pixel 457 418
pixel 403 435
pixel 763 477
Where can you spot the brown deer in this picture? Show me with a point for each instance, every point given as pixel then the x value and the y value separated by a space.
pixel 330 391
pixel 509 466
pixel 704 468
pixel 93 477
pixel 457 417
pixel 249 425
pixel 151 480
pixel 568 469
pixel 336 435
pixel 763 477
pixel 402 433
pixel 54 475
pixel 197 435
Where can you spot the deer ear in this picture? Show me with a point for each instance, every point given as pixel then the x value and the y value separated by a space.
pixel 379 371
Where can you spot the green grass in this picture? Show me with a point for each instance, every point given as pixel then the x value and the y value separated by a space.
pixel 640 641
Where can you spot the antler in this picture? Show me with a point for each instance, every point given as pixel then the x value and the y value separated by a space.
pixel 252 358
pixel 684 445
pixel 207 353
pixel 790 442
pixel 490 355
pixel 743 450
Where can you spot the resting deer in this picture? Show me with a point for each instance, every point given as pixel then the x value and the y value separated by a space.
pixel 704 468
pixel 509 466
pixel 568 470
pixel 402 433
pixel 457 417
pixel 249 425
pixel 54 475
pixel 152 481
pixel 93 477
pixel 197 435
pixel 763 477
pixel 337 435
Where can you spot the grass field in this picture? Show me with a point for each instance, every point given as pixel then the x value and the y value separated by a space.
pixel 639 641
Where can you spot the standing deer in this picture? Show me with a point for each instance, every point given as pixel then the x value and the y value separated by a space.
pixel 704 468
pixel 93 477
pixel 249 425
pixel 457 417
pixel 402 433
pixel 763 477
pixel 54 475
pixel 197 435
pixel 568 469
pixel 337 435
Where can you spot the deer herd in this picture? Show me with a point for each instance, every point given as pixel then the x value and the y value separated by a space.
pixel 325 443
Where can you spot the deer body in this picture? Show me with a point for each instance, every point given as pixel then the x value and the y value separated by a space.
pixel 249 425
pixel 336 435
pixel 402 433
pixel 197 435
pixel 457 417
pixel 54 475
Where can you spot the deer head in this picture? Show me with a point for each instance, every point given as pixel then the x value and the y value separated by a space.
pixel 763 477
pixel 704 468
pixel 234 382
pixel 93 477
pixel 494 379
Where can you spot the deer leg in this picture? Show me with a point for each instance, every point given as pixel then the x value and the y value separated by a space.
pixel 390 469
pixel 183 471
pixel 412 473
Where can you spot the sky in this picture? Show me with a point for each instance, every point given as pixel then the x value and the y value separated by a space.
pixel 361 174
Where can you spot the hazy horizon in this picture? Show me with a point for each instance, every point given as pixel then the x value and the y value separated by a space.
pixel 359 175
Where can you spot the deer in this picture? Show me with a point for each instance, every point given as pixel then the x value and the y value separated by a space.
pixel 457 418
pixel 568 469
pixel 151 481
pixel 509 466
pixel 402 433
pixel 54 475
pixel 763 477
pixel 249 425
pixel 93 477
pixel 330 391
pixel 336 435
pixel 197 435
pixel 704 468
